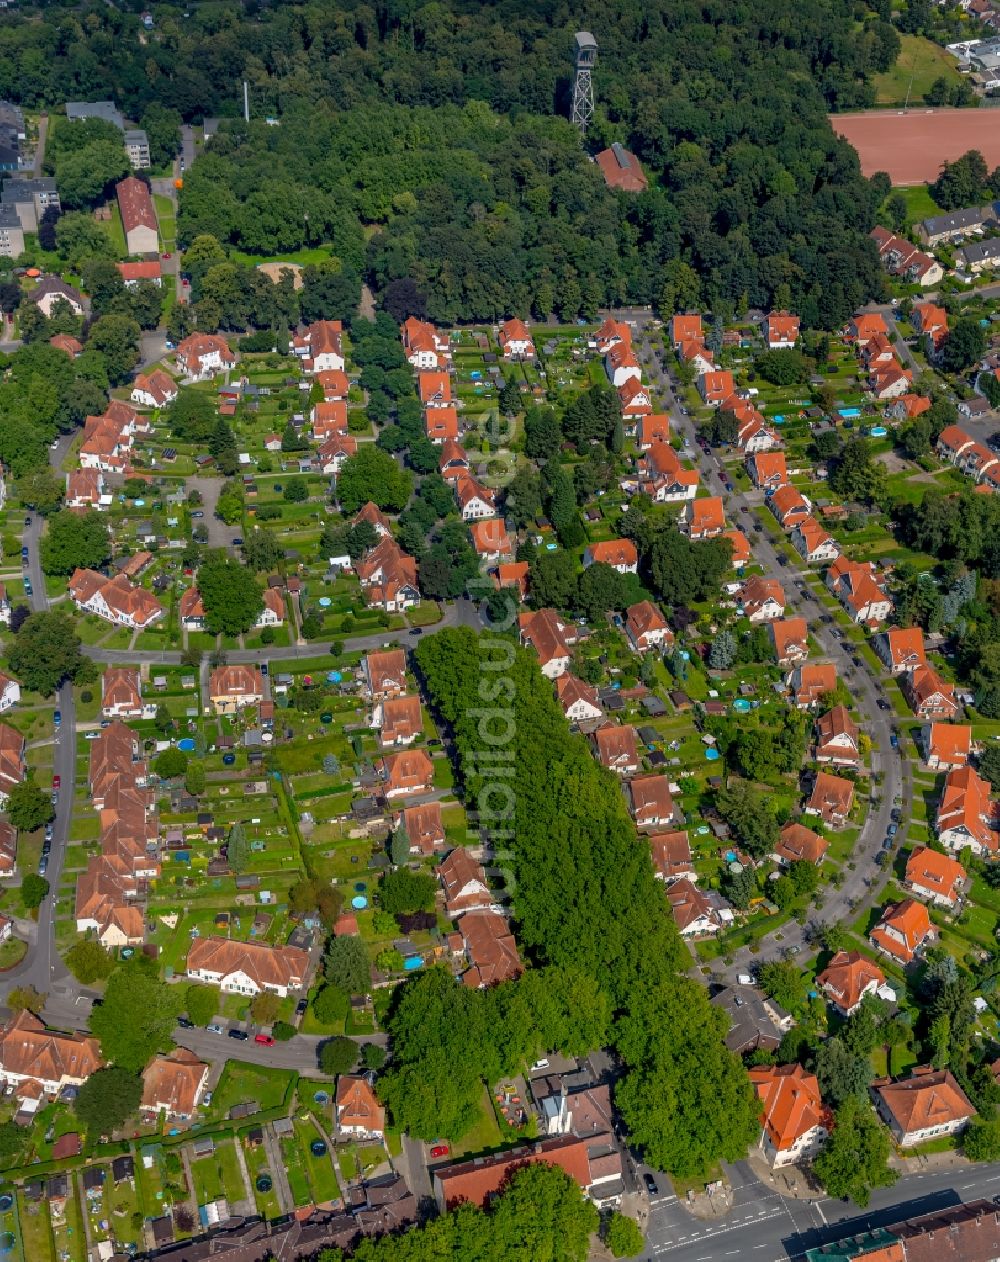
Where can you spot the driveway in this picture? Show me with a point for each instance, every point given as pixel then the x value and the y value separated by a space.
pixel 219 534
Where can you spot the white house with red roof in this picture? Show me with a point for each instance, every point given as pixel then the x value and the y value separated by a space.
pixel 319 346
pixel 714 387
pixel 620 554
pixel 515 340
pixel 782 331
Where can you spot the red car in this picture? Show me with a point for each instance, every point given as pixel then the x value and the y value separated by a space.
pixel 56 782
pixel 266 1040
pixel 440 1150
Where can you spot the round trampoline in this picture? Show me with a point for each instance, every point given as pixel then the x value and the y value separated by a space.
pixel 264 1182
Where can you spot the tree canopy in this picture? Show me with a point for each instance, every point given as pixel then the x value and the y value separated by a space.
pixel 107 1099
pixel 132 988
pixel 46 652
pixel 575 865
pixel 230 594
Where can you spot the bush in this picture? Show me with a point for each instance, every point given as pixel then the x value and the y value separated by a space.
pixel 282 1031
pixel 331 1005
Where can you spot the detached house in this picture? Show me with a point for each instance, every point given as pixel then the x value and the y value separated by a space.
pixel 662 477
pixel 247 968
pixel 233 688
pixel 612 333
pixel 423 345
pixel 767 469
pixel 652 429
pixel 847 979
pixel 551 638
pixel 685 328
pixel 153 390
pixel 671 853
pixel 782 330
pixel 931 322
pixel 400 721
pixel 811 682
pixel 515 340
pixel 967 815
pixel 454 462
pixel 121 693
pixel 31 1053
pixel 928 694
pixel 319 347
pixel 620 363
pixel 813 544
pixel 12 765
pixel 798 844
pixel 617 748
pixel 620 554
pixel 795 1120
pixel 652 804
pixel 925 1106
pixel 704 518
pixel 490 949
pixel 837 739
pixel 946 746
pixel 202 355
pixel 359 1114
pixel 635 401
pixel 854 585
pixel 441 424
pixel 578 700
pixel 762 599
pixel 407 774
pixel 937 877
pixel 10 689
pixel 475 501
pixel 904 928
pixel 465 886
pixel 789 506
pixel 424 827
pixel 714 387
pixel 695 913
pixel 646 628
pixel 192 611
pixel 174 1085
pixel 831 799
pixel 740 546
pixel 388 576
pixel 790 637
pixel 901 649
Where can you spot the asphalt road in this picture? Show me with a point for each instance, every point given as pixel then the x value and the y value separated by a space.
pixel 766 1227
pixel 860 885
pixel 42 967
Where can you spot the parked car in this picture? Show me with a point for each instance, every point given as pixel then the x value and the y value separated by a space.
pixel 27 520
pixel 239 1034
pixel 882 703
pixel 265 1040
pixel 300 1007
pixel 198 513
pixel 237 541
pixel 28 589
pixel 43 864
pixel 57 782
pixel 650 1183
pixel 894 740
pixel 57 717
pixel 215 1029
pixel 440 1150
pixel 892 830
pixel 185 1024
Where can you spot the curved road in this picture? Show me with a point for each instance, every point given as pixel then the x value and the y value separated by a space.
pixel 861 885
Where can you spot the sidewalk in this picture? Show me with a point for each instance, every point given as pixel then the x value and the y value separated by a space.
pixel 792 1182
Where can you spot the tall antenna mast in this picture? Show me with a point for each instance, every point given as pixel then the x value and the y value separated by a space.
pixel 246 101
pixel 583 89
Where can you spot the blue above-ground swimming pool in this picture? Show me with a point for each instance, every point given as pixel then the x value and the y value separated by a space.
pixel 359 902
pixel 186 743
pixel 778 420
pixel 741 705
pixel 411 962
pixel 848 413
pixel 712 755
pixel 878 431
pixel 333 677
pixel 324 602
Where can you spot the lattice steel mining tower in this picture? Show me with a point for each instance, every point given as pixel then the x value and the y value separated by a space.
pixel 583 88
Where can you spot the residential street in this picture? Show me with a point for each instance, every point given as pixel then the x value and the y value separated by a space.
pixel 766 1227
pixel 861 885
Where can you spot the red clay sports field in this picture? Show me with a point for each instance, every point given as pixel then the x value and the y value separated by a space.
pixel 913 146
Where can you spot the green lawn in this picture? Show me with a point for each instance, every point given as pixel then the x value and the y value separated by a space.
pixel 257 1084
pixel 918 65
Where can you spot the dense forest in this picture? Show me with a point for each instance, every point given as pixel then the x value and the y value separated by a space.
pixel 445 126
pixel 588 913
